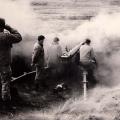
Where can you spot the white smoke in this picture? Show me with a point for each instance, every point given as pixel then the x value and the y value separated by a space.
pixel 18 15
pixel 103 30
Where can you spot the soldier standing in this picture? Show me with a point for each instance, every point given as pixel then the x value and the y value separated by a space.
pixel 38 61
pixel 54 54
pixel 6 41
pixel 87 60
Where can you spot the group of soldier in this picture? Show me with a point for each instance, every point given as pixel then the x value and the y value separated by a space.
pixel 52 61
pixel 55 59
pixel 9 36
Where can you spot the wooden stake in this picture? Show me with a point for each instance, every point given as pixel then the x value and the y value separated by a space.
pixel 85 85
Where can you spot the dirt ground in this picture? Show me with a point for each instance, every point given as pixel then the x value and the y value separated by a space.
pixel 26 101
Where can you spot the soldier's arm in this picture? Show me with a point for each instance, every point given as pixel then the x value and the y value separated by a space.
pixel 47 57
pixel 14 36
pixel 59 51
pixel 93 56
pixel 35 55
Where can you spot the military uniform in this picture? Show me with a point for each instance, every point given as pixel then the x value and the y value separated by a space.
pixel 38 61
pixel 87 56
pixel 87 61
pixel 6 41
pixel 54 54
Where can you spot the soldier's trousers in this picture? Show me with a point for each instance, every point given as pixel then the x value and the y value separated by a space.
pixel 89 67
pixel 5 75
pixel 40 77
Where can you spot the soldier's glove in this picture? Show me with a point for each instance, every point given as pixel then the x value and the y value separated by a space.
pixel 32 65
pixel 7 27
pixel 10 29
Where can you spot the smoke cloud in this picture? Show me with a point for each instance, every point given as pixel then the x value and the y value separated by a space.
pixel 103 30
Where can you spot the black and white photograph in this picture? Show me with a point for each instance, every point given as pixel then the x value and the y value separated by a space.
pixel 59 60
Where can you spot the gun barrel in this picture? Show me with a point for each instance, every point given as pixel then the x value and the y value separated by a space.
pixel 74 50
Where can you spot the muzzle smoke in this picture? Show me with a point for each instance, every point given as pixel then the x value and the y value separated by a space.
pixel 103 30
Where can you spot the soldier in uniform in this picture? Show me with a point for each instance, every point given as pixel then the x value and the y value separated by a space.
pixel 88 60
pixel 8 38
pixel 38 62
pixel 54 54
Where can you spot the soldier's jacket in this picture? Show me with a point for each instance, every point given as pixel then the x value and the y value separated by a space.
pixel 38 55
pixel 53 55
pixel 86 53
pixel 6 41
